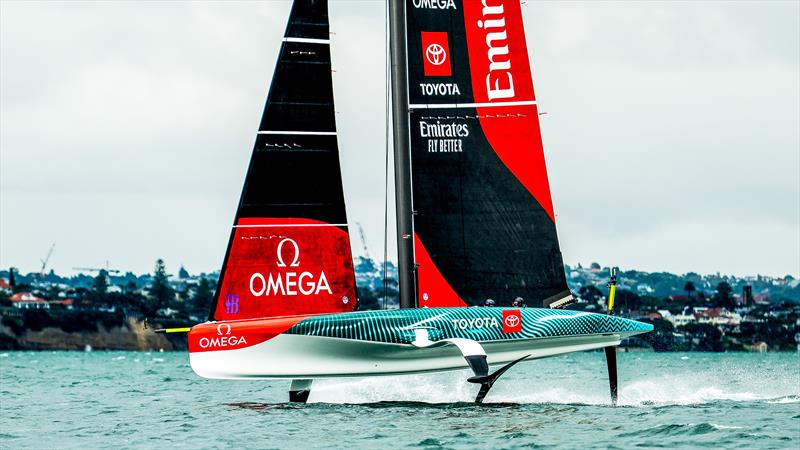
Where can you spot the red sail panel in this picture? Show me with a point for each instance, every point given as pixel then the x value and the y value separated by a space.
pixel 519 128
pixel 498 61
pixel 434 291
pixel 282 267
pixel 498 55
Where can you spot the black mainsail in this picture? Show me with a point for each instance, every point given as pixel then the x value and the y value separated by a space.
pixel 483 219
pixel 289 250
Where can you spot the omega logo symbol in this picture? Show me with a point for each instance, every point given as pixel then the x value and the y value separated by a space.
pixel 512 321
pixel 287 282
pixel 296 260
pixel 223 326
pixel 435 54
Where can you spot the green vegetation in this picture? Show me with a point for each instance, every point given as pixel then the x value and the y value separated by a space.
pixel 689 312
pixel 161 292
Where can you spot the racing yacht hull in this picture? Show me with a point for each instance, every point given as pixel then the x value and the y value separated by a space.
pixel 381 342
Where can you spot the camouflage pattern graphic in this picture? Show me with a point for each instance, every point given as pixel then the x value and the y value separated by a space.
pixel 479 324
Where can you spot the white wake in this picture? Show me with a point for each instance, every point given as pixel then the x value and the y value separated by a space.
pixel 582 380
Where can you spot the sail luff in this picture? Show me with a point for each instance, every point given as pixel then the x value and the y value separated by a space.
pixel 402 154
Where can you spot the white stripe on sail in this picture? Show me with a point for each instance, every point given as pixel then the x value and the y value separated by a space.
pixel 300 133
pixel 267 225
pixel 470 105
pixel 306 40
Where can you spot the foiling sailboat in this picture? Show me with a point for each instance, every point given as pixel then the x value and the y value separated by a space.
pixel 475 217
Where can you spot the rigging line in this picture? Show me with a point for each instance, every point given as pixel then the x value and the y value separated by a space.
pixel 387 89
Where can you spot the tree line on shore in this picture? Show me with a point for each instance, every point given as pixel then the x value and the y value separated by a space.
pixel 740 323
pixel 186 300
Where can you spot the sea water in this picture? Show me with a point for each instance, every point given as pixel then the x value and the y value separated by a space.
pixel 154 400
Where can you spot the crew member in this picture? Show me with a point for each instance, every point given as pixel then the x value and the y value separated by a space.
pixel 488 302
pixel 518 303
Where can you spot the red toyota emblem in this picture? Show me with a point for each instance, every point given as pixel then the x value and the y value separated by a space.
pixel 512 321
pixel 435 58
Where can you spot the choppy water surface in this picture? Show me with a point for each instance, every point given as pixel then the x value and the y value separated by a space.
pixel 147 400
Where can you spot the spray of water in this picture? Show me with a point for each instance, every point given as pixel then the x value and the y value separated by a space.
pixel 581 379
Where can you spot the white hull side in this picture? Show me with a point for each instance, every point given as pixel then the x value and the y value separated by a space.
pixel 298 356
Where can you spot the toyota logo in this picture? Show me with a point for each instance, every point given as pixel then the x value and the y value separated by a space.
pixel 511 321
pixel 435 54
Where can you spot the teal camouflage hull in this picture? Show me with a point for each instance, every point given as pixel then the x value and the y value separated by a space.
pixel 387 342
pixel 478 324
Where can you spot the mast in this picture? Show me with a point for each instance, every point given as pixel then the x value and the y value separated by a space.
pixel 402 155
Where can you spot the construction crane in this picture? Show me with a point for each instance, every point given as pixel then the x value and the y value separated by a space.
pixel 45 260
pixel 363 240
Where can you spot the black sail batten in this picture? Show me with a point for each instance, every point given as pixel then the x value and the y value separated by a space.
pixel 483 218
pixel 294 177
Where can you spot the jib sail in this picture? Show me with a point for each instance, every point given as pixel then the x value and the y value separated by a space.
pixel 483 216
pixel 289 250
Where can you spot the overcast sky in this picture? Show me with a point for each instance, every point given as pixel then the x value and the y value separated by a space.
pixel 672 135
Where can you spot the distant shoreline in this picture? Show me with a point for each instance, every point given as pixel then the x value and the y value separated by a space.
pixel 689 312
pixel 131 336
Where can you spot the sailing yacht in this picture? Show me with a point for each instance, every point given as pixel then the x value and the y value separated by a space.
pixel 475 217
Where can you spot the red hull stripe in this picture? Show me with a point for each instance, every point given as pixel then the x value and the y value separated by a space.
pixel 233 335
